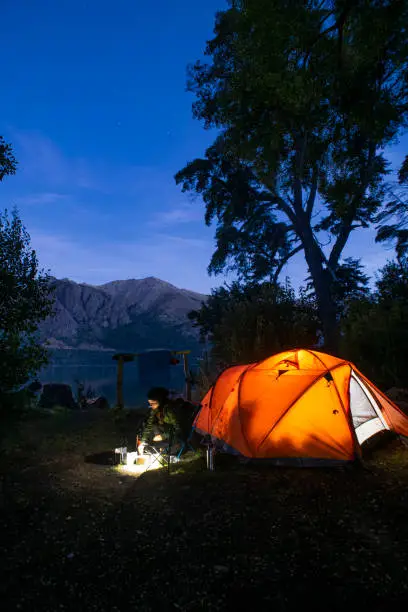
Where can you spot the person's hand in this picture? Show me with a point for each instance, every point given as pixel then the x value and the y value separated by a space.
pixel 140 449
pixel 158 438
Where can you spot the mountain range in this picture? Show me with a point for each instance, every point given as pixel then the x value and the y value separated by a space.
pixel 123 315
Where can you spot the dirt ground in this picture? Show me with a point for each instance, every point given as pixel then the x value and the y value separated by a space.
pixel 80 536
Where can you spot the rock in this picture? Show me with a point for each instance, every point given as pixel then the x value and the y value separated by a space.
pixel 56 394
pixel 100 403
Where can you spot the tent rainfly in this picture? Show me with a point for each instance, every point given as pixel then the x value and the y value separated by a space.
pixel 301 406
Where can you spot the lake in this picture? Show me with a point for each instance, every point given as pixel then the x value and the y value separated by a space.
pixel 97 370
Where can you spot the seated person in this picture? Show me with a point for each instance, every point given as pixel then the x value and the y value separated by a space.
pixel 170 419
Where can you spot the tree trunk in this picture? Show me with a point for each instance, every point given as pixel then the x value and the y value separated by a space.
pixel 322 285
pixel 327 313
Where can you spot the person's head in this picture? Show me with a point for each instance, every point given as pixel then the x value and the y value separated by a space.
pixel 157 396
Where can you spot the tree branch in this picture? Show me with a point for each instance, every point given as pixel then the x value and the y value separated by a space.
pixel 312 195
pixel 285 261
pixel 341 240
pixel 337 25
pixel 347 224
pixel 300 143
pixel 275 198
pixel 289 212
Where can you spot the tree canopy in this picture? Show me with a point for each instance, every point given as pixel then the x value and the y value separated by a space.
pixel 375 332
pixel 305 96
pixel 25 300
pixel 393 218
pixel 249 322
pixel 246 323
pixel 8 163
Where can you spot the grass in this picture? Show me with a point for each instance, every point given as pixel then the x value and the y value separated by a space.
pixel 80 536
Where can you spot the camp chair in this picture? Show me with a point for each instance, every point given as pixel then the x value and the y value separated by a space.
pixel 173 439
pixel 160 455
pixel 164 453
pixel 186 443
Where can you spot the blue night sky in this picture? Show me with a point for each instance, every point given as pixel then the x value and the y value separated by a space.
pixel 94 103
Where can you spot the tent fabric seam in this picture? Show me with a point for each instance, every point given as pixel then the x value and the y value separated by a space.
pixel 348 417
pixel 213 388
pixel 317 357
pixel 239 404
pixel 222 405
pixel 322 375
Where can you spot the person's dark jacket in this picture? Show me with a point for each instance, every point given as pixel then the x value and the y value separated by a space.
pixel 174 420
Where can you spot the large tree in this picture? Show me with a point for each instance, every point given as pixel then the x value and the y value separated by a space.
pixel 305 96
pixel 25 300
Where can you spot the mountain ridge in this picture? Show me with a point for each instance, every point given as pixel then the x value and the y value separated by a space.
pixel 131 314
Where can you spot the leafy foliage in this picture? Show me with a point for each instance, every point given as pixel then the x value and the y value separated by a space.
pixel 306 95
pixel 251 241
pixel 351 284
pixel 375 330
pixel 247 323
pixel 393 219
pixel 25 300
pixel 8 163
pixel 403 172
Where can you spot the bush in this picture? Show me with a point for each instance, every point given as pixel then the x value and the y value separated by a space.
pixel 19 401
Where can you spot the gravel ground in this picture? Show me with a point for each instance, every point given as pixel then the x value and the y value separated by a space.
pixel 81 536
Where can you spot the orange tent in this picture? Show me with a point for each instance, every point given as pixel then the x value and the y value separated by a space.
pixel 300 405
